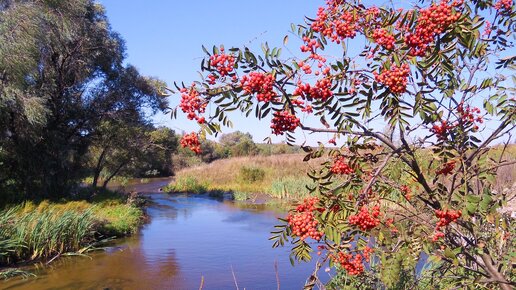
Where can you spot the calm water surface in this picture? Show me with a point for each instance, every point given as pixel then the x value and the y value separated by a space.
pixel 188 238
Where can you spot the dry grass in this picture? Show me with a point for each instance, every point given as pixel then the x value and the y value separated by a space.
pixel 282 171
pixel 285 176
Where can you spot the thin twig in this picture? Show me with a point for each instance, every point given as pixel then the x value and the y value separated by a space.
pixel 277 274
pixel 234 277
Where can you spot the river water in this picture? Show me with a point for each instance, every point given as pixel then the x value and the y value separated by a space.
pixel 190 241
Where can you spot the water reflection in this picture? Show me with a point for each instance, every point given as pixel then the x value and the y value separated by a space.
pixel 188 237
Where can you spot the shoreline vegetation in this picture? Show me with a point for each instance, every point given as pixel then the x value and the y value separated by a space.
pixel 283 179
pixel 42 231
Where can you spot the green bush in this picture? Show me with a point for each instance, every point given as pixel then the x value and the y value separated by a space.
pixel 251 174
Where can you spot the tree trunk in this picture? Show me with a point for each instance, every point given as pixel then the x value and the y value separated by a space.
pixel 104 185
pixel 99 167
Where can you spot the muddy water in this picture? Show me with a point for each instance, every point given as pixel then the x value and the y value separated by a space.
pixel 190 240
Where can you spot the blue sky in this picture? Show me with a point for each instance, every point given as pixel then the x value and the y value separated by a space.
pixel 164 39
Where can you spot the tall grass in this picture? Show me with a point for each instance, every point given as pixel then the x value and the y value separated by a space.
pixel 291 187
pixel 34 235
pixel 31 231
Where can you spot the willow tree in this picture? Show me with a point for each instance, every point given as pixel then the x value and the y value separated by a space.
pixel 61 75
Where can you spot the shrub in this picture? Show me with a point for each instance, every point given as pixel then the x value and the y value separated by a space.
pixel 251 174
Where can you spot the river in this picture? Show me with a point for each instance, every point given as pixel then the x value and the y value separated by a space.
pixel 190 240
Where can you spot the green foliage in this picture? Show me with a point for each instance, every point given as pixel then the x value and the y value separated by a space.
pixel 42 234
pixel 251 174
pixel 240 196
pixel 63 78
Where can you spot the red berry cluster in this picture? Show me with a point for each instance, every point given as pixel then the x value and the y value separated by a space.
pixel 447 168
pixel 504 5
pixel 223 63
pixel 340 166
pixel 395 78
pixel 284 121
pixel 446 217
pixel 302 221
pixel 335 24
pixel 469 116
pixel 488 29
pixel 437 236
pixel 354 265
pixel 366 220
pixel 260 84
pixel 441 130
pixel 384 38
pixel 192 104
pixel 431 22
pixel 191 141
pixel 310 44
pixel 307 69
pixel 321 90
pixel 406 191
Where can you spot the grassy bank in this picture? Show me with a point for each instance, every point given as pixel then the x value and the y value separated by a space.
pixel 285 176
pixel 34 231
pixel 278 176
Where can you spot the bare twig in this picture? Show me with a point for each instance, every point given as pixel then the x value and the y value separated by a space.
pixel 234 277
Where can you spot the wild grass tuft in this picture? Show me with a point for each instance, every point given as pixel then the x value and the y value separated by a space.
pixel 291 187
pixel 42 234
pixel 32 231
pixel 187 183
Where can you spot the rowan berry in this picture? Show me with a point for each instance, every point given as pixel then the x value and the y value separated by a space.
pixel 366 220
pixel 223 63
pixel 503 5
pixel 302 220
pixel 321 90
pixel 447 168
pixel 284 121
pixel 395 78
pixel 260 84
pixel 192 104
pixel 353 265
pixel 340 166
pixel 191 141
pixel 384 38
pixel 430 22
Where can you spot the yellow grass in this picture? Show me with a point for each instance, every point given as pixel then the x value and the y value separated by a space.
pixel 227 174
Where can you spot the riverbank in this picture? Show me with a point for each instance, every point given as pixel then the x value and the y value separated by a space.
pixel 248 178
pixel 190 239
pixel 43 231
